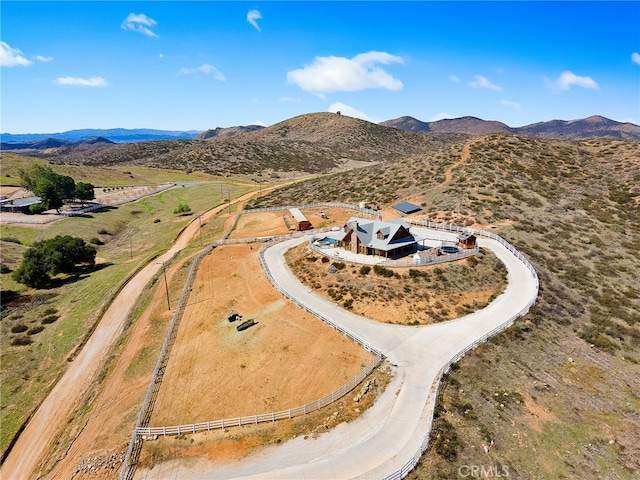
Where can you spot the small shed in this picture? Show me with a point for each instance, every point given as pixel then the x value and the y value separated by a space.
pixel 301 220
pixel 407 208
pixel 467 240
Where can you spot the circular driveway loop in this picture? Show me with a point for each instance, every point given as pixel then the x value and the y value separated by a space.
pixel 383 439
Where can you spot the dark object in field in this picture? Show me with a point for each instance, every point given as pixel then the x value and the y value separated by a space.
pixel 244 325
pixel 234 316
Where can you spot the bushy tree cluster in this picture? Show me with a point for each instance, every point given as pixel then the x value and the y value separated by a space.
pixel 54 189
pixel 61 254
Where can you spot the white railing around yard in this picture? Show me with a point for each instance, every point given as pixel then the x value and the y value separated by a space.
pixel 144 415
pixel 265 417
pixel 433 395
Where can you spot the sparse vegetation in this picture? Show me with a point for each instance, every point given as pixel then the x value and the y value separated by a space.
pixel 401 295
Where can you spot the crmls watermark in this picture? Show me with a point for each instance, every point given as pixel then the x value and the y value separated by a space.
pixel 483 471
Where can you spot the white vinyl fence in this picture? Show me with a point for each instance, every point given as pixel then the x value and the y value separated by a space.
pixel 141 427
pixel 407 467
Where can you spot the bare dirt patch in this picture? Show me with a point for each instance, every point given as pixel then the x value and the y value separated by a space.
pixel 288 359
pixel 281 222
pixel 413 296
pixel 233 444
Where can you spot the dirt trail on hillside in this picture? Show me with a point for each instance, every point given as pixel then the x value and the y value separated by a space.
pixel 448 172
pixel 52 417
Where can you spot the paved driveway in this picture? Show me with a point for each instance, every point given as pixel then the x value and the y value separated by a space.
pixel 385 437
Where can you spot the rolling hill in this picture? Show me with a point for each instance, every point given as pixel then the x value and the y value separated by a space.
pixel 311 143
pixel 557 394
pixel 592 127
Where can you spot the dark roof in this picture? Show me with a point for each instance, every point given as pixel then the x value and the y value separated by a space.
pixel 466 236
pixel 406 207
pixel 367 230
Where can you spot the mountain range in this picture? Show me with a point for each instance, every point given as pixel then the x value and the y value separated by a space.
pixel 595 126
pixel 115 135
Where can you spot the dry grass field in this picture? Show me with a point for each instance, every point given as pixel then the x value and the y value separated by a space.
pixel 280 222
pixel 288 359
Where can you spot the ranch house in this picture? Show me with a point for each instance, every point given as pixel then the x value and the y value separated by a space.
pixel 375 237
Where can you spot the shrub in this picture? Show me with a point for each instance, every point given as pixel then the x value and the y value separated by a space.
pixel 23 340
pixel 365 269
pixel 446 442
pixel 19 328
pixel 103 231
pixel 34 330
pixel 4 268
pixel 96 241
pixel 157 220
pixel 348 303
pixel 49 319
pixel 325 260
pixel 382 271
pixel 339 265
pixel 50 311
pixel 12 240
pixel 182 209
pixel 37 209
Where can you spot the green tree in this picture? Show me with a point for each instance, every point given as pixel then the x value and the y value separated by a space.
pixel 49 192
pixel 84 191
pixel 60 254
pixel 53 189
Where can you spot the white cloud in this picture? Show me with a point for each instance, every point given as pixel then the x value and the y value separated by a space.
pixel 349 111
pixel 44 59
pixel 509 103
pixel 12 57
pixel 454 78
pixel 441 116
pixel 635 57
pixel 85 82
pixel 252 16
pixel 567 79
pixel 339 74
pixel 139 23
pixel 205 69
pixel 482 82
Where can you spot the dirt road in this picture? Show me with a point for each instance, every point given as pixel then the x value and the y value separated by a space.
pixel 53 414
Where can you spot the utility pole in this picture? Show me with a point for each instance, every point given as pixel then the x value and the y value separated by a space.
pixel 200 220
pixel 166 285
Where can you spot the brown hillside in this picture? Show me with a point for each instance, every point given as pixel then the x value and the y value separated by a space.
pixel 565 377
pixel 312 143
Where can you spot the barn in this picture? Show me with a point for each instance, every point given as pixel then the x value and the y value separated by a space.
pixel 301 220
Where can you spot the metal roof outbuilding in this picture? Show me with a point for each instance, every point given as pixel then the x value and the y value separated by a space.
pixel 406 207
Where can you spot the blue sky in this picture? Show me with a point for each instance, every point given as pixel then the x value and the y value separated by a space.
pixel 199 65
